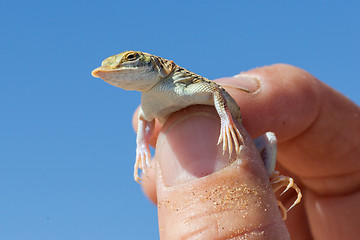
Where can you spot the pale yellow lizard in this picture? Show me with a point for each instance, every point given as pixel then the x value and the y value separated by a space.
pixel 167 88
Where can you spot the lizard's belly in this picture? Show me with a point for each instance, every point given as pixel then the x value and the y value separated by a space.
pixel 161 104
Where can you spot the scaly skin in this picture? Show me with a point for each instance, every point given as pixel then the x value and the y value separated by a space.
pixel 167 88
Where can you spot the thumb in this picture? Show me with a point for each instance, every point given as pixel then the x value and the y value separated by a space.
pixel 203 194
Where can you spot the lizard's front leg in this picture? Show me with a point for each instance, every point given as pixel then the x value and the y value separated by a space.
pixel 144 132
pixel 228 132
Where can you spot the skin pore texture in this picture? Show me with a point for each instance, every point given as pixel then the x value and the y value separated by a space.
pixel 318 144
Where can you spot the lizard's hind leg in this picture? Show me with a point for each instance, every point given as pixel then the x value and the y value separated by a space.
pixel 278 181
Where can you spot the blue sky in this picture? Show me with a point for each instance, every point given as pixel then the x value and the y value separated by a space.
pixel 67 147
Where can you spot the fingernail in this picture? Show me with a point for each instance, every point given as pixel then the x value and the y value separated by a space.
pixel 188 150
pixel 243 82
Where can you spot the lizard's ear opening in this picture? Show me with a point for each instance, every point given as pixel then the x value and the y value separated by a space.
pixel 164 66
pixel 170 66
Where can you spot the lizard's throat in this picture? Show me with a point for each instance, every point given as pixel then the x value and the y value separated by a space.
pixel 130 80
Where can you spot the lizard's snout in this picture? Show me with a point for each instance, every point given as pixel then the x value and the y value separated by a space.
pixel 96 72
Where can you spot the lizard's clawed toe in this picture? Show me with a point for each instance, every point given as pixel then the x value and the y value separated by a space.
pixel 278 181
pixel 231 138
pixel 143 157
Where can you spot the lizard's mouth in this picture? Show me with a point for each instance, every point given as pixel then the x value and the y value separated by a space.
pixel 101 71
pixel 128 78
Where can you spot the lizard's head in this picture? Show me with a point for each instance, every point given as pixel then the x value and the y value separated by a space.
pixel 133 70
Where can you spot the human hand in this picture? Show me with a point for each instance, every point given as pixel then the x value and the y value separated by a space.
pixel 318 133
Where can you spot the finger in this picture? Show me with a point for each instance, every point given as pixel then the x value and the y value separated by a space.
pixel 200 194
pixel 316 126
pixel 317 129
pixel 334 217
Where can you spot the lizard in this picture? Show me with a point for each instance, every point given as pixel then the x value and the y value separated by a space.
pixel 167 88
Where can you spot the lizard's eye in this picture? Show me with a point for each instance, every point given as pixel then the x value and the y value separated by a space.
pixel 132 56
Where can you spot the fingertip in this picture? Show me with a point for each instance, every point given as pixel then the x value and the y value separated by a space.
pixel 233 201
pixel 135 118
pixel 280 69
